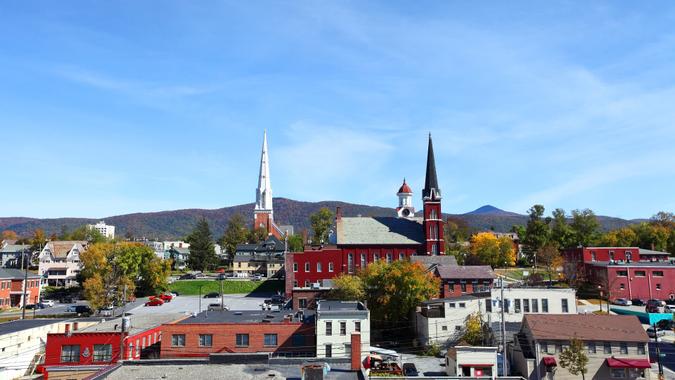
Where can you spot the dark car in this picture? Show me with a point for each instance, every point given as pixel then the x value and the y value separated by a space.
pixel 82 309
pixel 188 276
pixel 34 306
pixel 653 306
pixel 212 295
pixel 638 302
pixel 665 324
pixel 409 369
pixel 277 300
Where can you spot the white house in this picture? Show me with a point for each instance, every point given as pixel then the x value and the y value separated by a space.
pixel 60 262
pixel 470 361
pixel 104 229
pixel 530 300
pixel 441 321
pixel 335 323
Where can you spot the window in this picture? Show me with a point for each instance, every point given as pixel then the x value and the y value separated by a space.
pixel 629 256
pixel 295 283
pixel 302 303
pixel 543 347
pixel 623 347
pixel 488 306
pixel 298 340
pixel 350 262
pixel 401 256
pixel 295 267
pixel 535 305
pixel 622 273
pixel 590 347
pixel 434 249
pixel 611 255
pixel 658 286
pixel 526 305
pixel 376 257
pixel 205 340
pixel 329 350
pixel 558 348
pixel 618 373
pixel 641 348
pixel 506 305
pixel 452 305
pixel 306 267
pixel 242 340
pixel 565 306
pixel 270 339
pixel 462 305
pixel 143 345
pixel 444 328
pixel 343 328
pixel 306 283
pixel 544 305
pixel 463 287
pixel 608 348
pixel 318 267
pixel 390 258
pixel 593 256
pixel 177 340
pixel 331 267
pixel 517 307
pixel 622 286
pixel 329 328
pixel 640 273
pixel 357 326
pixel 432 214
pixel 70 353
pixel 363 260
pixel 657 273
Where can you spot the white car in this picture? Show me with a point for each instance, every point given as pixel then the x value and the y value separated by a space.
pixel 669 309
pixel 622 302
pixel 47 303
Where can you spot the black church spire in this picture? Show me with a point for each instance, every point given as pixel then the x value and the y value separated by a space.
pixel 431 190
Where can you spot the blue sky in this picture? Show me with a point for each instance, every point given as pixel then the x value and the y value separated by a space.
pixel 115 107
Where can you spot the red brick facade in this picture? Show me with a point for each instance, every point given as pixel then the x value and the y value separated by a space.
pixel 11 290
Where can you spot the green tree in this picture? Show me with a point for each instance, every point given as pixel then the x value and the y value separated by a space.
pixel 549 257
pixel 651 236
pixel 585 227
pixel 348 288
pixel 202 248
pixel 537 232
pixel 456 230
pixel 574 358
pixel 460 250
pixel 295 243
pixel 561 232
pixel 473 334
pixel 84 233
pixel 622 237
pixel 321 222
pixel 257 235
pixel 235 233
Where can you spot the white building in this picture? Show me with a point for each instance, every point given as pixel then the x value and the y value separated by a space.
pixel 22 340
pixel 469 361
pixel 60 262
pixel 520 301
pixel 335 323
pixel 103 229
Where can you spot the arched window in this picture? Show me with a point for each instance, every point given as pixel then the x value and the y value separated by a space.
pixel 432 214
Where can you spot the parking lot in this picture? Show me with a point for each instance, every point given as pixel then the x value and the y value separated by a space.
pixel 190 304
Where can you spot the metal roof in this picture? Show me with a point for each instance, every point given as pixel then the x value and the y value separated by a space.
pixel 25 324
pixel 15 274
pixel 379 231
pixel 465 272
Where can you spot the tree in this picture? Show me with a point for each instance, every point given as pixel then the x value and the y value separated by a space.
pixel 85 233
pixel 460 250
pixel 235 233
pixel 9 235
pixel 295 243
pixel 257 235
pixel 493 251
pixel 574 358
pixel 549 257
pixel 394 290
pixel 473 335
pixel 585 227
pixel 622 237
pixel 348 288
pixel 202 248
pixel 651 236
pixel 321 222
pixel 561 232
pixel 456 230
pixel 665 219
pixel 537 232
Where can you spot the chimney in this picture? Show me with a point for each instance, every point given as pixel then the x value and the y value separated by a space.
pixel 338 213
pixel 356 351
pixel 75 326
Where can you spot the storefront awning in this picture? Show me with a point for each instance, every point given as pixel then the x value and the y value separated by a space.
pixel 628 363
pixel 549 361
pixel 475 365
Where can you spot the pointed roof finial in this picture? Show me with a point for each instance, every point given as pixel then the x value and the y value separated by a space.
pixel 431 190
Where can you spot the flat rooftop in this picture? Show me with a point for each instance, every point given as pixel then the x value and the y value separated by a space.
pixel 26 324
pixel 139 323
pixel 244 316
pixel 330 305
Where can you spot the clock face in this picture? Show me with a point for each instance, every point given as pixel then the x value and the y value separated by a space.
pixel 406 212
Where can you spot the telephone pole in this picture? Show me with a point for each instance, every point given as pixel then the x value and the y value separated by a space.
pixel 503 328
pixel 25 283
pixel 124 304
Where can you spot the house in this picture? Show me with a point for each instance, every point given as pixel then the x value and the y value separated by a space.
pixel 178 255
pixel 470 361
pixel 12 288
pixel 457 280
pixel 79 352
pixel 623 272
pixel 336 322
pixel 442 321
pixel 22 344
pixel 282 333
pixel 265 258
pixel 616 346
pixel 105 230
pixel 10 255
pixel 60 262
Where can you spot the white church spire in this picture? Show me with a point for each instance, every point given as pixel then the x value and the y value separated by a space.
pixel 263 199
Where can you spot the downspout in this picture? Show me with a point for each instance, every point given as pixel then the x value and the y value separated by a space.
pixel 630 291
pixel 649 282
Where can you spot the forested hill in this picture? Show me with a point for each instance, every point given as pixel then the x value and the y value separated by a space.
pixel 178 223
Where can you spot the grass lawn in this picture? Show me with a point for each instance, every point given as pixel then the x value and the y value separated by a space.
pixel 191 287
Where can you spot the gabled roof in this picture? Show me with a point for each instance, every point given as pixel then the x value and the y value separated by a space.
pixel 13 248
pixel 431 262
pixel 271 244
pixel 60 249
pixel 623 328
pixel 379 231
pixel 465 272
pixel 15 274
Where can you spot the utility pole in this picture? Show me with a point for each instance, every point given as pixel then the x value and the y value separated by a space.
pixel 503 328
pixel 124 304
pixel 25 282
pixel 658 351
pixel 200 299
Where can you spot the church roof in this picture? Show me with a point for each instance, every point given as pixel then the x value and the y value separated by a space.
pixel 431 180
pixel 405 189
pixel 379 230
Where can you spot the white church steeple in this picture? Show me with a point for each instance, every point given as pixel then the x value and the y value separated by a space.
pixel 263 197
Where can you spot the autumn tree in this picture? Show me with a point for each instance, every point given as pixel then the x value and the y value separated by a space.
pixel 235 233
pixel 574 358
pixel 473 332
pixel 321 222
pixel 549 257
pixel 622 237
pixel 347 287
pixel 257 235
pixel 456 230
pixel 202 248
pixel 9 235
pixel 394 289
pixel 493 251
pixel 537 231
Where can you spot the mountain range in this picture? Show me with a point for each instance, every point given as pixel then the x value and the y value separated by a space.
pixel 177 224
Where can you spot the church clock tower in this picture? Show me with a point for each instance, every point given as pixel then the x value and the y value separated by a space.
pixel 433 219
pixel 405 207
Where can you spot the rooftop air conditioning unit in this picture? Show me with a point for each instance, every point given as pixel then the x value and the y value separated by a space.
pixel 315 285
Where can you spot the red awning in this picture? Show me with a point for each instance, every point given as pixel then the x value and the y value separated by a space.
pixel 628 363
pixel 549 361
pixel 475 365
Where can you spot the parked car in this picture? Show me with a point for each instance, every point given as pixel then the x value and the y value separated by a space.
pixel 622 302
pixel 257 277
pixel 653 306
pixel 155 302
pixel 83 309
pixel 188 276
pixel 652 333
pixel 163 297
pixel 638 302
pixel 33 306
pixel 666 324
pixel 106 311
pixel 669 309
pixel 70 309
pixel 409 369
pixel 216 306
pixel 212 295
pixel 277 300
pixel 47 303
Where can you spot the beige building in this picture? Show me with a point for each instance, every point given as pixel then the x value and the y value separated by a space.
pixel 616 346
pixel 60 262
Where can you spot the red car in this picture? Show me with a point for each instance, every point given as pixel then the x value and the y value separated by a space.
pixel 155 302
pixel 166 297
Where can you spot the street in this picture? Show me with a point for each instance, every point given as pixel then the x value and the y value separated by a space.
pixel 667 355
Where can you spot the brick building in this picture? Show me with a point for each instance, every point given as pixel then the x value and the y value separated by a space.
pixel 624 272
pixel 462 280
pixel 222 331
pixel 11 288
